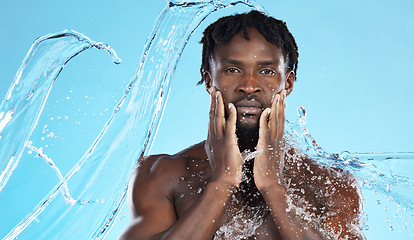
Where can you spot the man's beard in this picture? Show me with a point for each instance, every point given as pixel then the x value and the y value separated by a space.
pixel 248 135
pixel 246 132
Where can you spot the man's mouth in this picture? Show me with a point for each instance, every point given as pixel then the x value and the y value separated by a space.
pixel 249 107
pixel 249 110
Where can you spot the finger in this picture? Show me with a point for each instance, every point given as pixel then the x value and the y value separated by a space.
pixel 273 118
pixel 281 116
pixel 263 129
pixel 231 123
pixel 220 120
pixel 211 128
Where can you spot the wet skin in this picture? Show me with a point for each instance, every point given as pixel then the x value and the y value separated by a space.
pixel 193 193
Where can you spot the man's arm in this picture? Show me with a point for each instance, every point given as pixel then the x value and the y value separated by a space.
pixel 268 176
pixel 344 208
pixel 153 209
pixel 153 212
pixel 340 219
pixel 345 202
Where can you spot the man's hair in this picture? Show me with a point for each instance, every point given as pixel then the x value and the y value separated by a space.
pixel 273 30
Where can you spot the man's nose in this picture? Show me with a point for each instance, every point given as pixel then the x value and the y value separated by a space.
pixel 249 84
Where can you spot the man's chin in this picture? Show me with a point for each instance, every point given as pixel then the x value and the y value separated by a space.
pixel 247 129
pixel 248 120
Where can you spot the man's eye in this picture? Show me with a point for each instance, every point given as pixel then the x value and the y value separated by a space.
pixel 232 70
pixel 268 71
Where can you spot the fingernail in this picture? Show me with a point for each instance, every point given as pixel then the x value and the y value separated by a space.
pixel 230 106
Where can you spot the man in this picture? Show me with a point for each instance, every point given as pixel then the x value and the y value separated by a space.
pixel 213 189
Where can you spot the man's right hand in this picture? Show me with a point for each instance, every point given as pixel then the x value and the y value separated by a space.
pixel 221 145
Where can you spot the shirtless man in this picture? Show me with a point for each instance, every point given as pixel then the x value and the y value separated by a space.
pixel 209 190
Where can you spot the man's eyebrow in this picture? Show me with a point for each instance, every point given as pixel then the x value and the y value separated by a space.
pixel 267 63
pixel 231 61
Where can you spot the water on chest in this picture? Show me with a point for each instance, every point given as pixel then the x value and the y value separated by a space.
pixel 243 221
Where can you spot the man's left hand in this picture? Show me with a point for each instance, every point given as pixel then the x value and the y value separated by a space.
pixel 268 164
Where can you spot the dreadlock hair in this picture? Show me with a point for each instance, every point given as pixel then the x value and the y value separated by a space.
pixel 273 30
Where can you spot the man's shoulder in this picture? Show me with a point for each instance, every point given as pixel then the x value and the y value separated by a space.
pixel 321 176
pixel 166 166
pixel 333 189
pixel 305 166
pixel 159 175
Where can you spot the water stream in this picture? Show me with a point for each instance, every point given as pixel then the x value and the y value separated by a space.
pixel 95 188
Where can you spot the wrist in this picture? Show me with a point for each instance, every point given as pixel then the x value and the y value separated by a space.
pixel 275 188
pixel 222 185
pixel 268 180
pixel 227 180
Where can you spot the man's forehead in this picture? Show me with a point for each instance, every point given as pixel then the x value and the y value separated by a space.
pixel 260 62
pixel 253 43
pixel 239 54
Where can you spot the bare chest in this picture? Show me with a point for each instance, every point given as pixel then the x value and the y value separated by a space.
pixel 239 221
pixel 243 221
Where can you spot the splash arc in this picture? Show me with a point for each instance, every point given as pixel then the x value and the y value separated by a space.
pixel 98 182
pixel 106 166
pixel 27 95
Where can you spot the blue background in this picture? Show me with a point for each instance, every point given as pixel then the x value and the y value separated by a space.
pixel 354 78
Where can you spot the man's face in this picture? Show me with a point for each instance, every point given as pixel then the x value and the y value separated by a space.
pixel 248 73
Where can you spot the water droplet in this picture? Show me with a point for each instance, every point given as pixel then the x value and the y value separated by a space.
pixel 301 111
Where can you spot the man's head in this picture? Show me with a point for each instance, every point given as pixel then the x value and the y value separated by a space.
pixel 249 58
pixel 273 30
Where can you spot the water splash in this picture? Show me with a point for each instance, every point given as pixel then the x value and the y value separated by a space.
pixel 68 198
pixel 244 223
pixel 386 175
pixel 65 191
pixel 374 170
pixel 26 97
pixel 102 174
pixel 105 167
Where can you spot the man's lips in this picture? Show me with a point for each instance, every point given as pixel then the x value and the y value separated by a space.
pixel 247 107
pixel 249 110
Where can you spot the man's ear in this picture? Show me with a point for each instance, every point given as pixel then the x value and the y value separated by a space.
pixel 207 80
pixel 290 80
